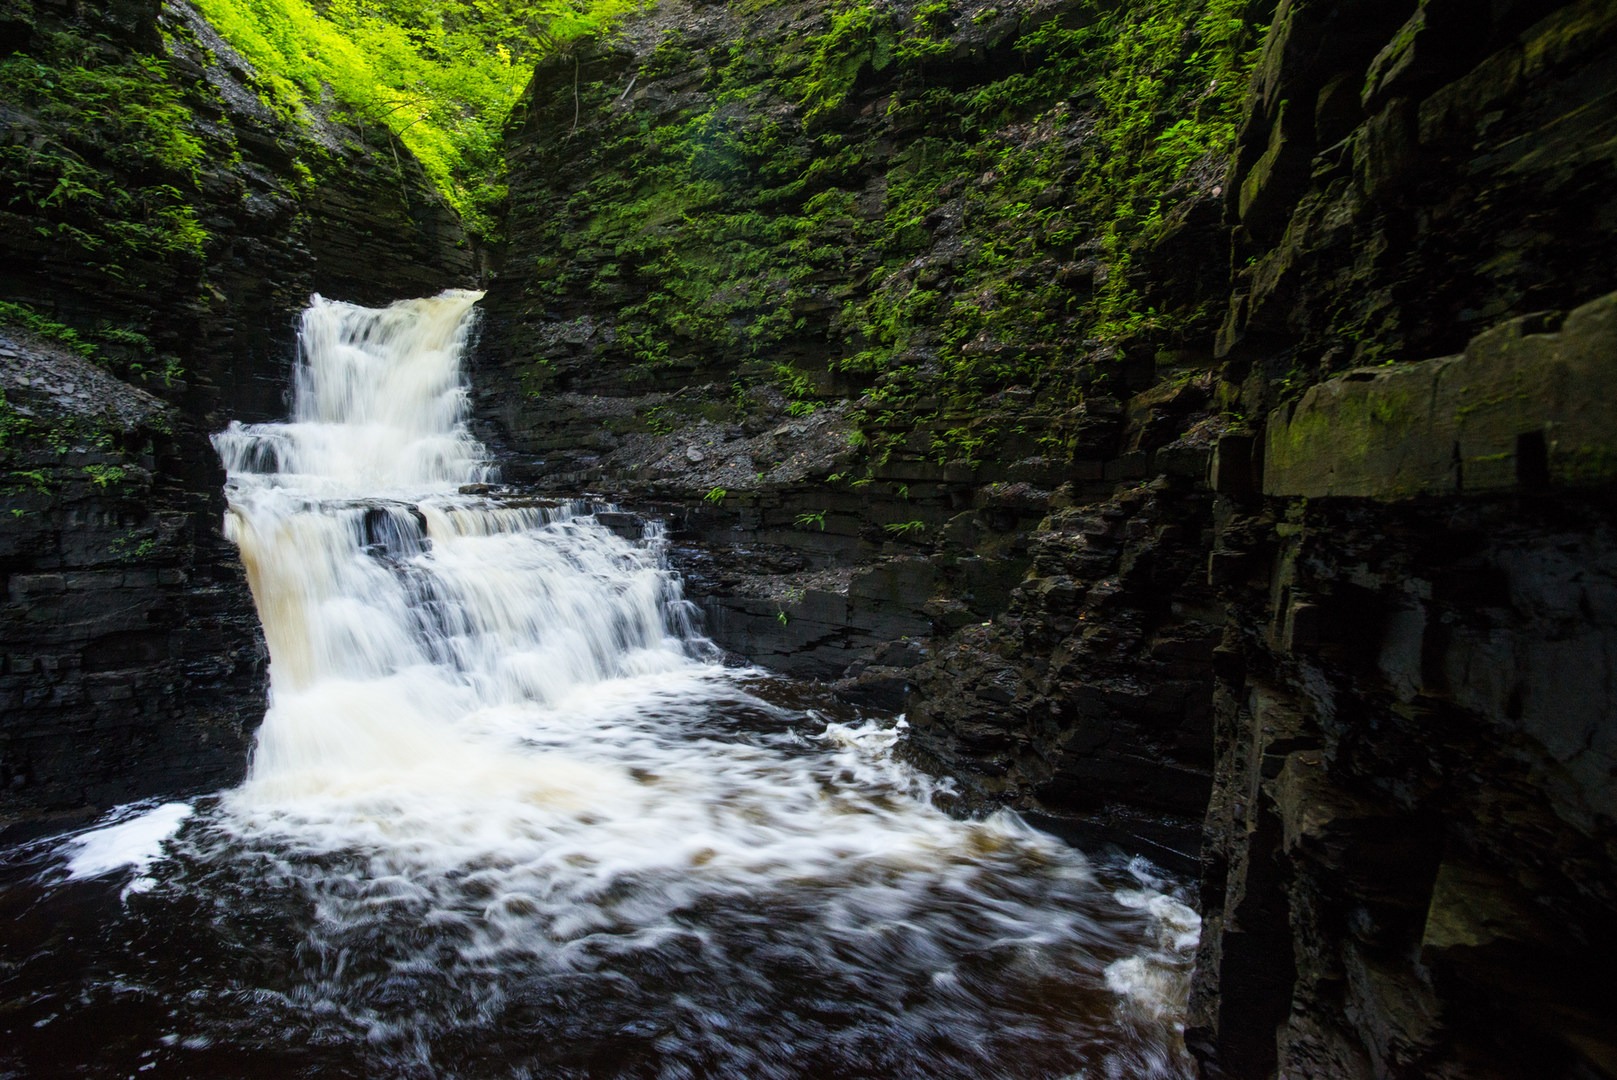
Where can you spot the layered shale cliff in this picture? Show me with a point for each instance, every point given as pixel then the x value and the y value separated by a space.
pixel 162 227
pixel 863 289
pixel 1196 416
pixel 1408 866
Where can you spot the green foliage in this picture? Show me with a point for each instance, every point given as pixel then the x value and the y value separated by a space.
pixel 127 353
pixel 31 480
pixel 1043 182
pixel 905 529
pixel 26 317
pixel 24 437
pixel 440 75
pixel 807 518
pixel 104 476
pixel 13 425
pixel 131 547
pixel 958 444
pixel 658 420
pixel 797 387
pixel 1176 79
pixel 990 246
pixel 715 495
pixel 112 166
pixel 859 36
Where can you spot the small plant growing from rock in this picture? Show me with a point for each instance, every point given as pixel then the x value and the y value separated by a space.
pixel 104 476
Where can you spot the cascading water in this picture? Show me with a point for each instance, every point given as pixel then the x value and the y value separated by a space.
pixel 507 816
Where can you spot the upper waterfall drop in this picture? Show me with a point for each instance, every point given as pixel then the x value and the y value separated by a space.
pixel 379 404
pixel 369 568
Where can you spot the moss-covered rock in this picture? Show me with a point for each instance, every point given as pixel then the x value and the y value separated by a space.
pixel 916 207
pixel 1521 408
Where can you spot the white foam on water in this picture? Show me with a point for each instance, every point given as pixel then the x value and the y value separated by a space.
pixel 500 711
pixel 134 843
pixel 1154 980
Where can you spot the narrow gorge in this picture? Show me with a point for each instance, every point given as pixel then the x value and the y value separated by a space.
pixel 1182 428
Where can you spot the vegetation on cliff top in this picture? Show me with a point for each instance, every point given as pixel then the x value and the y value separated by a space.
pixel 441 75
pixel 973 231
pixel 112 167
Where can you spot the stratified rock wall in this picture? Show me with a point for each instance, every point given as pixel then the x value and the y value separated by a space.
pixel 822 323
pixel 132 660
pixel 1328 569
pixel 1410 848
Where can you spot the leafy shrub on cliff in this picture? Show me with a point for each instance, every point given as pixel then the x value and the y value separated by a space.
pixel 895 196
pixel 126 353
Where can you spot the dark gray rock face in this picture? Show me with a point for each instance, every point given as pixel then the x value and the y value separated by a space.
pixel 133 664
pixel 1089 695
pixel 900 575
pixel 1340 589
pixel 1354 595
pixel 1408 859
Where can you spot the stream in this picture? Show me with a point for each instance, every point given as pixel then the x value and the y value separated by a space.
pixel 510 815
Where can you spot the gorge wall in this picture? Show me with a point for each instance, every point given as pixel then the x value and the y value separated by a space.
pixel 862 290
pixel 1413 797
pixel 1196 416
pixel 162 228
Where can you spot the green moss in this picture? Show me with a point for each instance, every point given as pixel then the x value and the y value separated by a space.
pixel 1583 465
pixel 940 250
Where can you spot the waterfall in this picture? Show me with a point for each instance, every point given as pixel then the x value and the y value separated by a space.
pixel 507 814
pixel 407 624
pixel 379 405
